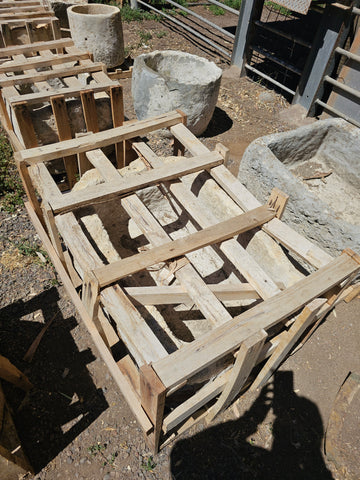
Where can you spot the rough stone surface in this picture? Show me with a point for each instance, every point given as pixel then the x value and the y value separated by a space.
pixel 97 28
pixel 327 213
pixel 167 80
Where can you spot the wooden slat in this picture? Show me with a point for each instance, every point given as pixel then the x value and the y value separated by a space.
pixel 89 110
pixel 116 188
pixel 152 393
pixel 307 250
pixel 39 62
pixel 137 336
pixel 122 383
pixel 302 322
pixel 177 294
pixel 25 124
pixel 99 140
pixel 117 112
pixel 14 16
pixel 41 97
pixel 103 165
pixel 62 122
pixel 200 353
pixel 208 236
pixel 245 361
pixel 237 254
pixel 47 75
pixel 35 47
pixel 44 182
pixel 45 18
pixel 211 390
pixel 198 291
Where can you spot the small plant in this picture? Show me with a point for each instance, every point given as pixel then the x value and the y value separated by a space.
pixel 11 190
pixel 144 36
pixel 148 464
pixel 161 34
pixel 96 448
pixel 136 15
pixel 216 10
pixel 30 249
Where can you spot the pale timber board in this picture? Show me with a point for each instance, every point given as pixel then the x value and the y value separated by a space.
pixel 98 140
pixel 119 378
pixel 41 97
pixel 208 236
pixel 44 182
pixel 35 47
pixel 211 390
pixel 288 237
pixel 39 62
pixel 39 14
pixel 198 291
pixel 203 215
pixel 47 75
pixel 20 4
pixel 46 18
pixel 103 165
pixel 119 187
pixel 132 328
pixel 192 358
pixel 177 293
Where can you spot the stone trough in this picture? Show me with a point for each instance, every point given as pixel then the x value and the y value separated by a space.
pixel 168 80
pixel 325 209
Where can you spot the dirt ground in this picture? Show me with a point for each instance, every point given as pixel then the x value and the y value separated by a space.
pixel 75 424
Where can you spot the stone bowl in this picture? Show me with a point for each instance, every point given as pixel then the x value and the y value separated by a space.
pixel 168 80
pixel 97 28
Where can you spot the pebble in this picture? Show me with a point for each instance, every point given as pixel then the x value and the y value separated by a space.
pixel 82 460
pixel 267 97
pixel 69 460
pixel 107 476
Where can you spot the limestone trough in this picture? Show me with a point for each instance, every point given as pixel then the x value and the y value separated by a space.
pixel 325 209
pixel 170 80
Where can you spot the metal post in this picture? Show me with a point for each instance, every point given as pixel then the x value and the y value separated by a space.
pixel 134 4
pixel 250 10
pixel 334 27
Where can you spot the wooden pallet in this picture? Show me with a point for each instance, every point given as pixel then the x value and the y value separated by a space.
pixel 167 380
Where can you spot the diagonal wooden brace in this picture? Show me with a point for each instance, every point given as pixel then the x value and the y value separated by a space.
pixel 244 363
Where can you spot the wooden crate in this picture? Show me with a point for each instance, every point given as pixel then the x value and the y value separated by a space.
pixel 171 378
pixel 16 105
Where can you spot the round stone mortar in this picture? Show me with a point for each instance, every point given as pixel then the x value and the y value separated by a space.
pixel 97 28
pixel 168 80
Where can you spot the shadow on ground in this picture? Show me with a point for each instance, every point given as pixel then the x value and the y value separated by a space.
pixel 225 451
pixel 219 123
pixel 65 400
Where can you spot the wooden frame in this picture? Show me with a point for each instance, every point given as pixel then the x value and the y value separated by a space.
pixel 147 288
pixel 149 375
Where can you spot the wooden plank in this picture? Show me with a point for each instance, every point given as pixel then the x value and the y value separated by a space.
pixel 25 124
pixel 117 112
pixel 98 140
pixel 89 110
pixel 295 242
pixel 29 189
pixel 41 97
pixel 12 374
pixel 41 18
pixel 40 62
pixel 44 182
pixel 137 336
pixel 122 383
pixel 20 4
pixel 278 201
pixel 52 231
pixel 198 291
pixel 122 186
pixel 226 338
pixel 245 361
pixel 47 75
pixel 152 393
pixel 208 236
pixel 130 371
pixel 211 390
pixel 140 340
pixel 167 295
pixel 62 123
pixel 15 16
pixel 302 322
pixel 240 258
pixel 103 165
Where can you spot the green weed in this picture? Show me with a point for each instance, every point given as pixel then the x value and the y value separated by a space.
pixel 148 464
pixel 144 37
pixel 11 190
pixel 161 34
pixel 216 10
pixel 137 15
